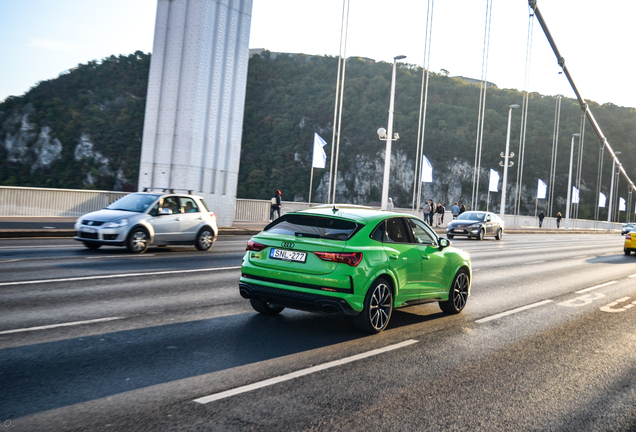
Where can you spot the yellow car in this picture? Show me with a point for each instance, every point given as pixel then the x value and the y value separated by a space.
pixel 630 243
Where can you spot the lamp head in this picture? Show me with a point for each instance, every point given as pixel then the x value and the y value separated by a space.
pixel 382 133
pixel 514 106
pixel 576 134
pixel 400 57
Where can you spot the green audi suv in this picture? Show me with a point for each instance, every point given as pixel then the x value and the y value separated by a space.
pixel 354 261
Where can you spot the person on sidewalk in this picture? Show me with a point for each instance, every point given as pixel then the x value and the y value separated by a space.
pixel 426 211
pixel 541 217
pixel 433 211
pixel 275 205
pixel 558 219
pixel 455 210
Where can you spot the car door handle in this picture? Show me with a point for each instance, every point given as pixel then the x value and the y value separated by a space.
pixel 425 257
pixel 393 256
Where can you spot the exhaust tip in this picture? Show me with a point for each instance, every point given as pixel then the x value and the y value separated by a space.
pixel 245 293
pixel 330 309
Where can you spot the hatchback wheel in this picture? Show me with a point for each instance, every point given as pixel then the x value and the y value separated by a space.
pixel 627 251
pixel 266 308
pixel 378 305
pixel 499 234
pixel 458 294
pixel 138 241
pixel 205 239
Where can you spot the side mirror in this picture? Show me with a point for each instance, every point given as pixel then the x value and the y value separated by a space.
pixel 444 243
pixel 164 212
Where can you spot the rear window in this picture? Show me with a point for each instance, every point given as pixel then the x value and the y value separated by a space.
pixel 314 227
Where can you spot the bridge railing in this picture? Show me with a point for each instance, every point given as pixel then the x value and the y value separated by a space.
pixel 33 202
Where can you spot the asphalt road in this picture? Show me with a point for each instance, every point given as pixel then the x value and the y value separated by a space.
pixel 103 340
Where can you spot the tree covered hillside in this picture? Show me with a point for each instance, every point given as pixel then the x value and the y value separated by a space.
pixel 84 130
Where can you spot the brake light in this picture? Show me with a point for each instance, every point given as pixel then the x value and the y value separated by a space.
pixel 213 216
pixel 628 236
pixel 253 246
pixel 349 258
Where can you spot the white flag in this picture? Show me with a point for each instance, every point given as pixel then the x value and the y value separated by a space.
pixel 601 200
pixel 621 204
pixel 427 170
pixel 320 158
pixel 575 195
pixel 542 188
pixel 493 185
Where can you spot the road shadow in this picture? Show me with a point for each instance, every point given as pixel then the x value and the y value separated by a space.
pixel 619 258
pixel 56 374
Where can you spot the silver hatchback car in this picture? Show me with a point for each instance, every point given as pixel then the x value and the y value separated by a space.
pixel 141 219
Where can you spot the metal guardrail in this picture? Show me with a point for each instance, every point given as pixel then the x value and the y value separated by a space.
pixel 30 202
pixel 26 201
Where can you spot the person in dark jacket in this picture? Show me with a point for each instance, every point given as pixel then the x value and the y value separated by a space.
pixel 541 217
pixel 558 219
pixel 275 205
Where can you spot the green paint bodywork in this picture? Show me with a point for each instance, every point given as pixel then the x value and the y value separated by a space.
pixel 417 272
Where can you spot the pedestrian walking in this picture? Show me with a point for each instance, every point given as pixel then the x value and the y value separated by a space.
pixel 426 211
pixel 558 219
pixel 440 213
pixel 462 209
pixel 455 210
pixel 389 205
pixel 541 217
pixel 433 211
pixel 275 207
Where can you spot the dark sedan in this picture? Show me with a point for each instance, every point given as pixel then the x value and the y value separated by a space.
pixel 477 224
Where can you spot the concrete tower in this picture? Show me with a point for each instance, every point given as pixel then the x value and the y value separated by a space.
pixel 195 102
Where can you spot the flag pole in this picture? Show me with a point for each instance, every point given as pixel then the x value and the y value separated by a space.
pixel 311 182
pixel 488 199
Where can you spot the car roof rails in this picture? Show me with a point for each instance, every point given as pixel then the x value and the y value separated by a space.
pixel 167 190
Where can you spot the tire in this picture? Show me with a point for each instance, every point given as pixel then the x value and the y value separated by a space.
pixel 205 239
pixel 458 294
pixel 91 245
pixel 450 236
pixel 499 234
pixel 378 305
pixel 266 308
pixel 627 251
pixel 138 241
pixel 480 236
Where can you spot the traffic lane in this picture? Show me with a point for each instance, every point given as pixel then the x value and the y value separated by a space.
pixel 536 370
pixel 51 263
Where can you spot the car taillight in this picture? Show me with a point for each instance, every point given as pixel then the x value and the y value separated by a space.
pixel 628 236
pixel 253 246
pixel 349 258
pixel 213 216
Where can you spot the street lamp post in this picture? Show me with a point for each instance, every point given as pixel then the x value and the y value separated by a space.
pixel 611 197
pixel 568 202
pixel 388 136
pixel 502 210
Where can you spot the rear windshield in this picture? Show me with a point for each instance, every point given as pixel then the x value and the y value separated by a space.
pixel 313 226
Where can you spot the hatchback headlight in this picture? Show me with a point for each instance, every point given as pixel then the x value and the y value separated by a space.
pixel 116 224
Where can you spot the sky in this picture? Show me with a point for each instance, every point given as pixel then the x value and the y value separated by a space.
pixel 39 39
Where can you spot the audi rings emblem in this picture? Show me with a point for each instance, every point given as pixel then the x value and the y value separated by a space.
pixel 289 245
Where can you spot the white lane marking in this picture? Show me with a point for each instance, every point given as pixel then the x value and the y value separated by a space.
pixel 41 247
pixel 299 373
pixel 59 325
pixel 582 300
pixel 632 276
pixel 595 287
pixel 608 307
pixel 513 311
pixel 119 276
pixel 535 262
pixel 11 260
pixel 119 256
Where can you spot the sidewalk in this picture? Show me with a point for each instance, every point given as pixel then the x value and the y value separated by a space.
pixel 24 227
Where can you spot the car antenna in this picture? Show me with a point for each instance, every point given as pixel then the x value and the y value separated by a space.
pixel 335 209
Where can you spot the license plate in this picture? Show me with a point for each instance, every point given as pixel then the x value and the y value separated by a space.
pixel 88 230
pixel 287 255
pixel 461 231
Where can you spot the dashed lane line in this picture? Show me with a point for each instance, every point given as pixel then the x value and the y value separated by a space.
pixel 51 326
pixel 595 287
pixel 299 373
pixel 124 275
pixel 513 311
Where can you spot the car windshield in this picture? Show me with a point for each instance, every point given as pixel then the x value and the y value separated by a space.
pixel 313 226
pixel 134 202
pixel 471 216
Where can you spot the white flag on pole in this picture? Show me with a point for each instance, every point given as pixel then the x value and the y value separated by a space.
pixel 427 170
pixel 493 185
pixel 601 200
pixel 320 158
pixel 575 195
pixel 621 204
pixel 542 188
